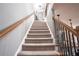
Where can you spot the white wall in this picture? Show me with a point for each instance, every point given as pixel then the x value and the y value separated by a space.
pixel 68 11
pixel 49 18
pixel 10 13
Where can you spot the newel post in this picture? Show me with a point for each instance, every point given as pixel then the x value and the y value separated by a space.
pixel 70 20
pixel 58 15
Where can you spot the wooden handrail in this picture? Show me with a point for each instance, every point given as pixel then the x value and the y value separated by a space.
pixel 13 26
pixel 67 27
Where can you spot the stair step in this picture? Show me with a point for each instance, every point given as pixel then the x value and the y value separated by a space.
pixel 38 40
pixel 42 44
pixel 44 25
pixel 39 53
pixel 39 25
pixel 38 47
pixel 39 31
pixel 39 35
pixel 39 28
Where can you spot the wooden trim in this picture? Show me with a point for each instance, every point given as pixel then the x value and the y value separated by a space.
pixel 13 26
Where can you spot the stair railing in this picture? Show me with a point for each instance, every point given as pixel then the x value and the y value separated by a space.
pixel 66 37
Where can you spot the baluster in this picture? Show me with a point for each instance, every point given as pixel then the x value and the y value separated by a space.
pixel 77 47
pixel 70 44
pixel 74 44
pixel 64 40
pixel 77 30
pixel 77 52
pixel 57 40
pixel 78 40
pixel 67 43
pixel 65 48
pixel 64 45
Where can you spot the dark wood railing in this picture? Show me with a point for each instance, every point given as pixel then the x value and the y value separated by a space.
pixel 67 38
pixel 13 26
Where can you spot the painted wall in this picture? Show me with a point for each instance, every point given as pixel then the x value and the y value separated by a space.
pixel 50 20
pixel 9 14
pixel 68 11
pixel 12 12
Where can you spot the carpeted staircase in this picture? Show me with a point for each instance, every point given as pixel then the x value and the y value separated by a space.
pixel 39 41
